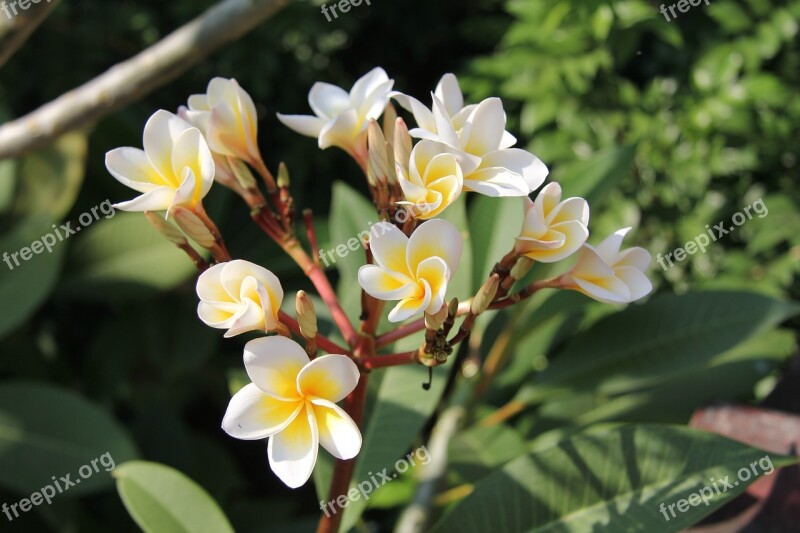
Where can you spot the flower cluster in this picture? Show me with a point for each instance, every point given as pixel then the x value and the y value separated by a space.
pixel 293 395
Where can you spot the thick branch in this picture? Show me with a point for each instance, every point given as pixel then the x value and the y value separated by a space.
pixel 132 79
pixel 15 31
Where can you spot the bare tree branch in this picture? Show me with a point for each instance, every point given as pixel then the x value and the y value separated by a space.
pixel 16 25
pixel 136 77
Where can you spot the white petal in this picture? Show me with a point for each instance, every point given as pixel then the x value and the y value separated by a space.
pixel 338 433
pixel 303 124
pixel 273 364
pixel 131 167
pixel 635 257
pixel 612 290
pixel 191 151
pixel 160 133
pixel 422 115
pixel 388 245
pixel 249 317
pixel 341 131
pixel 488 122
pixel 521 162
pixel 638 284
pixel 219 315
pixel 609 248
pixel 383 285
pixel 237 270
pixel 435 238
pixel 253 415
pixel 507 141
pixel 330 377
pixel 156 200
pixel 575 235
pixel 198 102
pixel 293 452
pixel 496 182
pixel 411 307
pixel 436 273
pixel 328 101
pixel 570 209
pixel 368 83
pixel 444 126
pixel 449 93
pixel 376 101
pixel 590 264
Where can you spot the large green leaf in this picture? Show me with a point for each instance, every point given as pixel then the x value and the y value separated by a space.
pixel 162 500
pixel 646 344
pixel 493 223
pixel 594 178
pixel 47 432
pixel 618 479
pixel 126 256
pixel 24 286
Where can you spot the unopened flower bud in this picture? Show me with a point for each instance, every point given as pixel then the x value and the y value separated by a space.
pixel 283 175
pixel 306 315
pixel 166 228
pixel 452 309
pixel 436 320
pixel 242 172
pixel 378 158
pixel 194 227
pixel 389 118
pixel 485 295
pixel 521 268
pixel 402 145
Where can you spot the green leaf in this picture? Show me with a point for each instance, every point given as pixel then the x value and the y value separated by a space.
pixel 647 344
pixel 351 215
pixel 126 256
pixel 478 451
pixel 47 432
pixel 493 223
pixel 161 499
pixel 50 179
pixel 24 286
pixel 612 480
pixel 594 178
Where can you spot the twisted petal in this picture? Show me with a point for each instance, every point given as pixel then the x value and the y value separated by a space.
pixel 253 415
pixel 449 92
pixel 388 245
pixel 293 452
pixel 131 167
pixel 337 432
pixel 330 377
pixel 273 364
pixel 160 134
pixel 328 101
pixel 435 238
pixel 303 124
pixel 384 285
pixel 366 85
pixel 159 199
pixel 340 131
pixel 436 273
pixel 412 306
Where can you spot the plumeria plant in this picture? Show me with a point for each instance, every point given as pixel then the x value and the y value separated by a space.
pixel 308 389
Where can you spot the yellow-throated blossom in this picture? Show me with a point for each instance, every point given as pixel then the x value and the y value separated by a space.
pixel 341 117
pixel 553 229
pixel 292 401
pixel 175 168
pixel 414 270
pixel 609 275
pixel 432 181
pixel 227 116
pixel 477 133
pixel 239 296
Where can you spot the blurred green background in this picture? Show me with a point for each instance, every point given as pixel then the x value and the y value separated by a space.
pixel 706 106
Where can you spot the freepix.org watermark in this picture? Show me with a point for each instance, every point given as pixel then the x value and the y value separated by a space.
pixel 356 242
pixel 48 242
pixel 367 487
pixel 10 8
pixel 343 6
pixel 718 230
pixel 717 487
pixel 59 486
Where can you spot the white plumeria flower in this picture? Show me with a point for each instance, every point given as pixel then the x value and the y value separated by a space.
pixel 609 275
pixel 223 173
pixel 292 401
pixel 342 118
pixel 414 270
pixel 239 296
pixel 553 230
pixel 227 116
pixel 175 168
pixel 432 181
pixel 478 134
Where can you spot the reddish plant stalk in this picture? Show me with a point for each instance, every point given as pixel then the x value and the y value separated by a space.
pixel 412 327
pixel 322 342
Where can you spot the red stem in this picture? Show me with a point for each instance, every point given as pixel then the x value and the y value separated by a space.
pixel 384 361
pixel 412 327
pixel 323 342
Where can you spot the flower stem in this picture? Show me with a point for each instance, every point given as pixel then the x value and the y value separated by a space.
pixel 323 342
pixel 395 359
pixel 412 327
